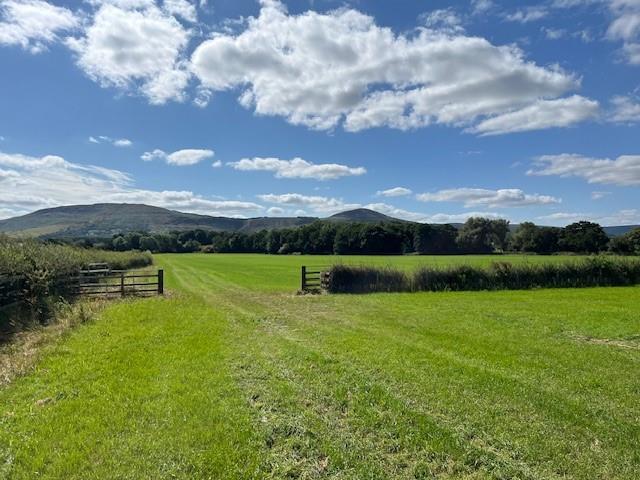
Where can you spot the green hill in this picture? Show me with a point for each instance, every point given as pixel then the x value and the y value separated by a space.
pixel 106 219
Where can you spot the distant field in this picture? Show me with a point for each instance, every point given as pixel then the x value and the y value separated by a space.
pixel 234 376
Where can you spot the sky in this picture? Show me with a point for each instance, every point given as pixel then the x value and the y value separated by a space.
pixel 429 111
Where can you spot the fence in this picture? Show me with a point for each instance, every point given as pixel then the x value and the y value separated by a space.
pixel 314 279
pixel 112 283
pixel 101 282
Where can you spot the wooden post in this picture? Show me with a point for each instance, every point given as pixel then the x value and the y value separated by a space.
pixel 160 282
pixel 122 284
pixel 304 278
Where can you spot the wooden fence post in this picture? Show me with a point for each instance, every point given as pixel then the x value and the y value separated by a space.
pixel 160 282
pixel 122 284
pixel 304 278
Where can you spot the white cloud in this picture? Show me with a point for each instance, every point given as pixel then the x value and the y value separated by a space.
pixel 275 211
pixel 503 198
pixel 625 110
pixel 181 8
pixel 444 19
pixel 297 168
pixel 527 14
pixel 554 33
pixel 33 24
pixel 324 206
pixel 318 204
pixel 540 115
pixel 621 217
pixel 599 195
pixel 479 7
pixel 116 142
pixel 217 164
pixel 49 181
pixel 135 46
pixel 394 192
pixel 189 156
pixel 460 217
pixel 323 70
pixel 623 171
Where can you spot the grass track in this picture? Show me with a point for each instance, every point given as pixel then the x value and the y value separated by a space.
pixel 235 377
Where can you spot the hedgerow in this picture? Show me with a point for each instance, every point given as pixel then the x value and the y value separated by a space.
pixel 595 271
pixel 40 272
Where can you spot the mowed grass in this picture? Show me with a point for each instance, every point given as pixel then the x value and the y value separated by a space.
pixel 234 376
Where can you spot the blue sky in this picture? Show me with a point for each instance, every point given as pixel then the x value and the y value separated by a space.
pixel 430 111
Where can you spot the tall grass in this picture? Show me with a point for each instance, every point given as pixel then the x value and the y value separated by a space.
pixel 590 272
pixel 41 272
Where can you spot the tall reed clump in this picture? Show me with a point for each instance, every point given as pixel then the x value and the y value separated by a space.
pixel 365 279
pixel 39 269
pixel 590 272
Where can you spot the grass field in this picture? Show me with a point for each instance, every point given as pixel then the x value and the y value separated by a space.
pixel 234 376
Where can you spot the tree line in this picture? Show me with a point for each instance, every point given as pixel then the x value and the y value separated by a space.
pixel 477 235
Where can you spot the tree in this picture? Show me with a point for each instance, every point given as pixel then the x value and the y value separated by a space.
pixel 583 237
pixel 627 244
pixel 120 244
pixel 483 235
pixel 149 243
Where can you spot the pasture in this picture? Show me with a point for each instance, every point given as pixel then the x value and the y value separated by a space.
pixel 234 376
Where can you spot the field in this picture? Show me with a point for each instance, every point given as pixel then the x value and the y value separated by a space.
pixel 234 376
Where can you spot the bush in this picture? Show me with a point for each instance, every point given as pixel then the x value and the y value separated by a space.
pixel 591 272
pixel 43 268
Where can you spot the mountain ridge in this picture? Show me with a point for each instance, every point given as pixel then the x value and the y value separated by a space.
pixel 107 219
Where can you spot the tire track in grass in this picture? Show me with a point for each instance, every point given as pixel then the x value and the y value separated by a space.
pixel 534 404
pixel 292 432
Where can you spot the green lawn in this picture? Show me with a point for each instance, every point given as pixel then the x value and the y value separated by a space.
pixel 234 376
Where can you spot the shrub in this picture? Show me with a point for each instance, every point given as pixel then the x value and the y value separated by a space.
pixel 43 268
pixel 591 272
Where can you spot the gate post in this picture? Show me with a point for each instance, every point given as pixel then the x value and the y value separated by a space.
pixel 160 282
pixel 122 284
pixel 303 279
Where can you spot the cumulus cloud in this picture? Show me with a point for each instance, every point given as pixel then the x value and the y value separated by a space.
pixel 625 109
pixel 324 206
pixel 323 70
pixel 624 25
pixel 461 217
pixel 623 171
pixel 540 115
pixel 319 204
pixel 394 192
pixel 181 8
pixel 181 158
pixel 116 142
pixel 275 211
pixel 33 24
pixel 621 217
pixel 40 182
pixel 527 14
pixel 135 46
pixel 479 7
pixel 473 197
pixel 297 168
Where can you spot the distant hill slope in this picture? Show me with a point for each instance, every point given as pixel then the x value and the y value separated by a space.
pixel 106 219
pixel 361 215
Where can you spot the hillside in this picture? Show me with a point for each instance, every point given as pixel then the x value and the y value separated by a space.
pixel 106 219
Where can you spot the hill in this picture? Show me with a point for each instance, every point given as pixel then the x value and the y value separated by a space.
pixel 106 219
